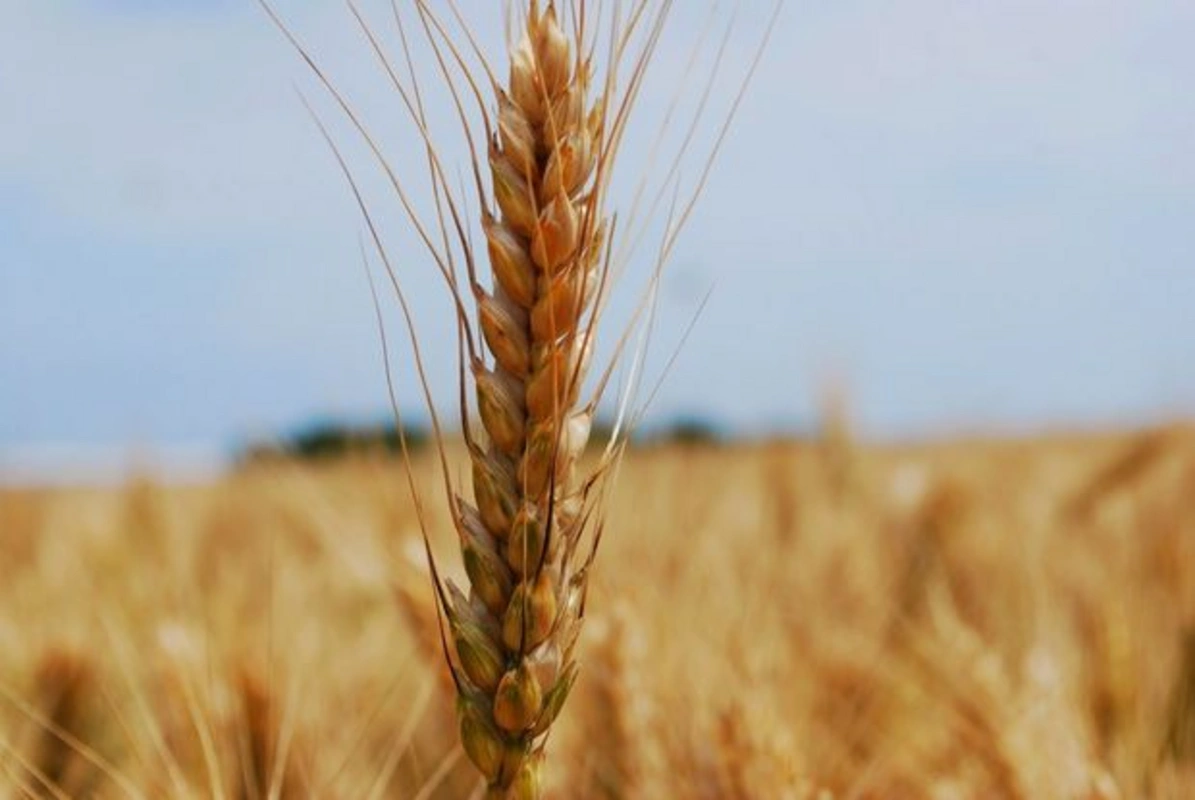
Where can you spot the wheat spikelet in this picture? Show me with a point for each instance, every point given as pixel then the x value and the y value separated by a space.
pixel 418 610
pixel 271 764
pixel 784 492
pixel 925 568
pixel 836 440
pixel 22 517
pixel 65 684
pixel 623 754
pixel 1127 468
pixel 1180 728
pixel 751 765
pixel 1045 736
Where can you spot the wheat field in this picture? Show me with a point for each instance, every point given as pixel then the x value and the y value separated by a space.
pixel 821 618
pixel 801 619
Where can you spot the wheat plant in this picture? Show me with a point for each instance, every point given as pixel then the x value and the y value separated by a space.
pixel 968 618
pixel 514 634
pixel 552 122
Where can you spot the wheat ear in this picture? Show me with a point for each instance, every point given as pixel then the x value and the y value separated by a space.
pixel 530 529
pixel 514 634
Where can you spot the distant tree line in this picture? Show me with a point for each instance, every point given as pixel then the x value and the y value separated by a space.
pixel 327 440
pixel 330 439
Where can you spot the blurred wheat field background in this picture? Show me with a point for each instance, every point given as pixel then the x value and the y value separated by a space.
pixel 970 619
pixel 988 198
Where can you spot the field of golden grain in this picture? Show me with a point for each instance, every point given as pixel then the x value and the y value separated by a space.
pixel 980 619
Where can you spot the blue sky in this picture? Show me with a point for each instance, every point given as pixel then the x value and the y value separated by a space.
pixel 975 215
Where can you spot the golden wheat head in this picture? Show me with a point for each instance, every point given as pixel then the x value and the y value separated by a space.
pixel 528 529
pixel 514 633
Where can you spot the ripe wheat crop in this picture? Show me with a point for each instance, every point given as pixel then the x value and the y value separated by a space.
pixel 793 620
pixel 945 627
pixel 551 128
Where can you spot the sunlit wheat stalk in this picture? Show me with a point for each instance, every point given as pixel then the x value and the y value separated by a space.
pixel 550 135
